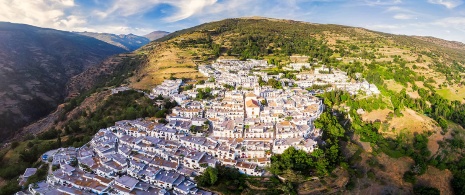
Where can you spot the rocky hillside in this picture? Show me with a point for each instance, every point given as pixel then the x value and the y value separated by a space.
pixel 156 35
pixel 444 43
pixel 128 42
pixel 35 66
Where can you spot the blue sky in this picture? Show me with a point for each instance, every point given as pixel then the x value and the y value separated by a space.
pixel 439 18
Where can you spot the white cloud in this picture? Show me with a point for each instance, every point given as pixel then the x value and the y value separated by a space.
pixel 457 23
pixel 401 13
pixel 44 13
pixel 188 8
pixel 450 4
pixel 185 8
pixel 245 8
pixel 67 2
pixel 72 21
pixel 381 2
pixel 399 9
pixel 403 16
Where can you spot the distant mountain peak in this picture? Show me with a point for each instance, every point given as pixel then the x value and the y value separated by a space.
pixel 156 35
pixel 129 42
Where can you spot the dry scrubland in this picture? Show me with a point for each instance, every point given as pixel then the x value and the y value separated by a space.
pixel 165 62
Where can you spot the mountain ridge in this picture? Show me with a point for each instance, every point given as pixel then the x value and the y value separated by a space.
pixel 156 35
pixel 129 42
pixel 35 67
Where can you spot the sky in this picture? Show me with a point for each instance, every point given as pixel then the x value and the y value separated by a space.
pixel 439 18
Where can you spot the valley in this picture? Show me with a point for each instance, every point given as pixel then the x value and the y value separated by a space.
pixel 36 64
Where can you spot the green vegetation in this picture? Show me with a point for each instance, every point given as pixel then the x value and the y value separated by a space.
pixel 121 71
pixel 229 87
pixel 10 188
pixel 204 94
pixel 409 177
pixel 25 155
pixel 422 190
pixel 40 175
pixel 79 131
pixel 457 183
pixel 227 180
pixel 292 159
pixel 325 159
pixel 256 39
pixel 125 105
pixel 318 87
pixel 440 110
pixel 208 178
pixel 322 160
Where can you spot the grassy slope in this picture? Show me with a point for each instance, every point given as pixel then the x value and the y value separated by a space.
pixel 166 61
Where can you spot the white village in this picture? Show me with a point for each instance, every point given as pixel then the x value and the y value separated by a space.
pixel 234 119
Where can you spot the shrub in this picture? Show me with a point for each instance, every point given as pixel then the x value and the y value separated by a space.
pixel 422 190
pixel 409 177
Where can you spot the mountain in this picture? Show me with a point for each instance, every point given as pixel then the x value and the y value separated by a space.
pixel 408 139
pixel 421 80
pixel 35 66
pixel 156 35
pixel 128 42
pixel 444 43
pixel 273 39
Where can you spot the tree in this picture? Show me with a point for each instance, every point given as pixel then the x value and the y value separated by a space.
pixel 292 159
pixel 208 177
pixel 423 190
pixel 229 87
pixel 73 162
pixel 160 113
pixel 10 188
pixel 14 144
pixel 213 175
pixel 193 129
pixel 59 140
pixel 442 123
pixel 322 163
pixel 30 155
pixel 274 83
pixel 458 183
pixel 409 176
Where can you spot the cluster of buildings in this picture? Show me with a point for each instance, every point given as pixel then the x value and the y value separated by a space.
pixel 132 157
pixel 167 87
pixel 241 127
pixel 261 120
pixel 298 66
pixel 336 79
